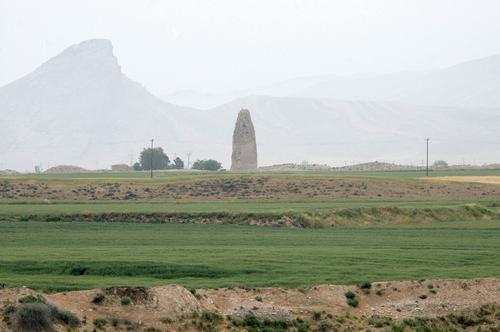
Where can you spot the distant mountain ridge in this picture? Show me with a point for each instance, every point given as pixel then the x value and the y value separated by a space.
pixel 470 84
pixel 80 109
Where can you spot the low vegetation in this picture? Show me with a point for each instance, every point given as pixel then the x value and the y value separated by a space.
pixel 33 315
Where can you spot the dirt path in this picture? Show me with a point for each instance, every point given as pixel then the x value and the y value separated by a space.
pixel 463 304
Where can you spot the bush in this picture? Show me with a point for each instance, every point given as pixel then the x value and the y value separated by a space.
pixel 365 285
pixel 316 315
pixel 211 316
pixel 126 300
pixel 207 165
pixel 423 296
pixel 31 317
pixel 258 298
pixel 99 323
pixel 350 295
pixel 32 299
pixel 98 298
pixel 8 310
pixel 353 302
pixel 68 318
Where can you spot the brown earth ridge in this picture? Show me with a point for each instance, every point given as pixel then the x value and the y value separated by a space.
pixel 398 305
pixel 243 187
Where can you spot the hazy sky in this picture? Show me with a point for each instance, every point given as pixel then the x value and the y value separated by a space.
pixel 217 45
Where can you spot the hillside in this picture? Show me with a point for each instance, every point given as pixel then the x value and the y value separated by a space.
pixel 77 108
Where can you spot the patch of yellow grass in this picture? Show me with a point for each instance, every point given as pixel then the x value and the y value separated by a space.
pixel 477 179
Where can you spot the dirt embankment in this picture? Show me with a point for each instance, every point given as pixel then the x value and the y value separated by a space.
pixel 244 187
pixel 448 304
pixel 351 217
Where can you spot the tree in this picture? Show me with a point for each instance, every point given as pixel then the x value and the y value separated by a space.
pixel 207 165
pixel 440 163
pixel 157 156
pixel 137 167
pixel 178 163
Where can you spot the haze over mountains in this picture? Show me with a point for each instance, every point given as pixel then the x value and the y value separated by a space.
pixel 471 84
pixel 79 108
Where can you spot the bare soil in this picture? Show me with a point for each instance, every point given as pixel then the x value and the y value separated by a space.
pixel 448 304
pixel 244 187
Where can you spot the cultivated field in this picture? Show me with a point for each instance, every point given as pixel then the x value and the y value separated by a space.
pixel 64 255
pixel 197 229
pixel 126 241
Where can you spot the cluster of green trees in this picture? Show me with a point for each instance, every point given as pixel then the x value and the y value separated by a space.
pixel 157 159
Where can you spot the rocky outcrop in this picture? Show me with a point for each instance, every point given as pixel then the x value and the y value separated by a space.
pixel 244 157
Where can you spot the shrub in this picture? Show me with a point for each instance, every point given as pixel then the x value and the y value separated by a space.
pixel 353 302
pixel 258 298
pixel 32 299
pixel 350 295
pixel 207 165
pixel 31 317
pixel 98 298
pixel 423 296
pixel 316 315
pixel 211 316
pixel 167 320
pixel 9 309
pixel 99 323
pixel 126 300
pixel 68 318
pixel 365 285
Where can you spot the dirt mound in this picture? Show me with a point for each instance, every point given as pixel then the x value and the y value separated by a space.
pixel 448 304
pixel 263 186
pixel 61 169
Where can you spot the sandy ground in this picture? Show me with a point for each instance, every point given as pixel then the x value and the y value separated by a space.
pixel 171 308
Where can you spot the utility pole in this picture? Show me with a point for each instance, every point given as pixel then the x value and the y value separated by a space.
pixel 427 159
pixel 152 154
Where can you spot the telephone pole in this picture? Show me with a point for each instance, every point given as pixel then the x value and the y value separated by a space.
pixel 152 154
pixel 427 158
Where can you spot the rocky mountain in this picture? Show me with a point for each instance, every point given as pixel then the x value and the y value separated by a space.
pixel 79 108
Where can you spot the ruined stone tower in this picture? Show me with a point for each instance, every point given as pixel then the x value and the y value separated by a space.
pixel 244 157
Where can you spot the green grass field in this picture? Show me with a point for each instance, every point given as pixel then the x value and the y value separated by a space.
pixel 51 256
pixel 230 206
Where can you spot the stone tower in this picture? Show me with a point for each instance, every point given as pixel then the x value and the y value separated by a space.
pixel 244 157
